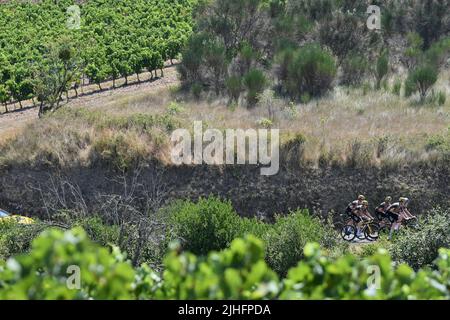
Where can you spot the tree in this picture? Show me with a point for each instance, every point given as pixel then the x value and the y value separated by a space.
pixel 4 96
pixel 56 75
pixel 308 70
pixel 255 82
pixel 235 22
pixel 344 34
pixel 421 79
pixel 381 68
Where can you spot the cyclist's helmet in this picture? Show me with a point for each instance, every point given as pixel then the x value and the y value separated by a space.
pixel 404 201
pixel 361 198
pixel 365 203
pixel 388 199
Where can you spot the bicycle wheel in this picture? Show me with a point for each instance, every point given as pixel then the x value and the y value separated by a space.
pixel 371 231
pixel 360 235
pixel 348 233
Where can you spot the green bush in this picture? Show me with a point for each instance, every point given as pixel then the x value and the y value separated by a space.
pixel 354 69
pixel 421 79
pixel 441 98
pixel 318 277
pixel 382 68
pixel 286 239
pixel 16 238
pixel 43 273
pixel 209 224
pixel 397 88
pixel 238 272
pixel 234 87
pixel 419 248
pixel 255 82
pixel 309 69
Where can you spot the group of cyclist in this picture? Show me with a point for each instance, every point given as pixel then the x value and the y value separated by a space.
pixel 396 212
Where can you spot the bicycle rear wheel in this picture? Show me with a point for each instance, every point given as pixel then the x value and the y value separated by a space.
pixel 348 233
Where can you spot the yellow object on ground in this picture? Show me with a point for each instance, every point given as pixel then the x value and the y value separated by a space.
pixel 6 217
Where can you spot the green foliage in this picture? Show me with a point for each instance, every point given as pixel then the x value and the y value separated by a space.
pixel 234 87
pixel 397 88
pixel 209 224
pixel 441 98
pixel 382 67
pixel 318 277
pixel 235 273
pixel 414 52
pixel 255 82
pixel 115 38
pixel 421 79
pixel 309 69
pixel 238 272
pixel 354 69
pixel 265 123
pixel 287 237
pixel 419 248
pixel 16 238
pixel 42 274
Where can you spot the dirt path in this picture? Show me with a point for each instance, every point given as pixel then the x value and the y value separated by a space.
pixel 90 95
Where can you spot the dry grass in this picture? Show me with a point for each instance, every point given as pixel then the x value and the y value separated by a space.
pixel 348 126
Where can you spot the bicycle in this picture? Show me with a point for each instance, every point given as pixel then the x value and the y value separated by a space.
pixel 370 230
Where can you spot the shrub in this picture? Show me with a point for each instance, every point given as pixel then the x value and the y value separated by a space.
pixel 196 90
pixel 382 67
pixel 419 248
pixel 265 123
pixel 354 69
pixel 344 34
pixel 397 88
pixel 16 238
pixel 441 98
pixel 234 87
pixel 210 224
pixel 318 277
pixel 255 82
pixel 308 70
pixel 421 79
pixel 235 273
pixel 43 273
pixel 286 239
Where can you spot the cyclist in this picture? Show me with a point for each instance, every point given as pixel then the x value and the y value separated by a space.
pixel 381 210
pixel 362 213
pixel 354 204
pixel 404 212
pixel 394 213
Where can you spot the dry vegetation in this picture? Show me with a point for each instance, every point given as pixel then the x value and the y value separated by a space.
pixel 352 126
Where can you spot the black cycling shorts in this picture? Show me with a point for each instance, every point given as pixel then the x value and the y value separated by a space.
pixel 381 215
pixel 355 218
pixel 393 217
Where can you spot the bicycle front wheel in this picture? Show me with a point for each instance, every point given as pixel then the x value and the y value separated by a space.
pixel 372 232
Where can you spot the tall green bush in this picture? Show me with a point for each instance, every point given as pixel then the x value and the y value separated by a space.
pixel 419 248
pixel 309 69
pixel 421 79
pixel 255 82
pixel 210 224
